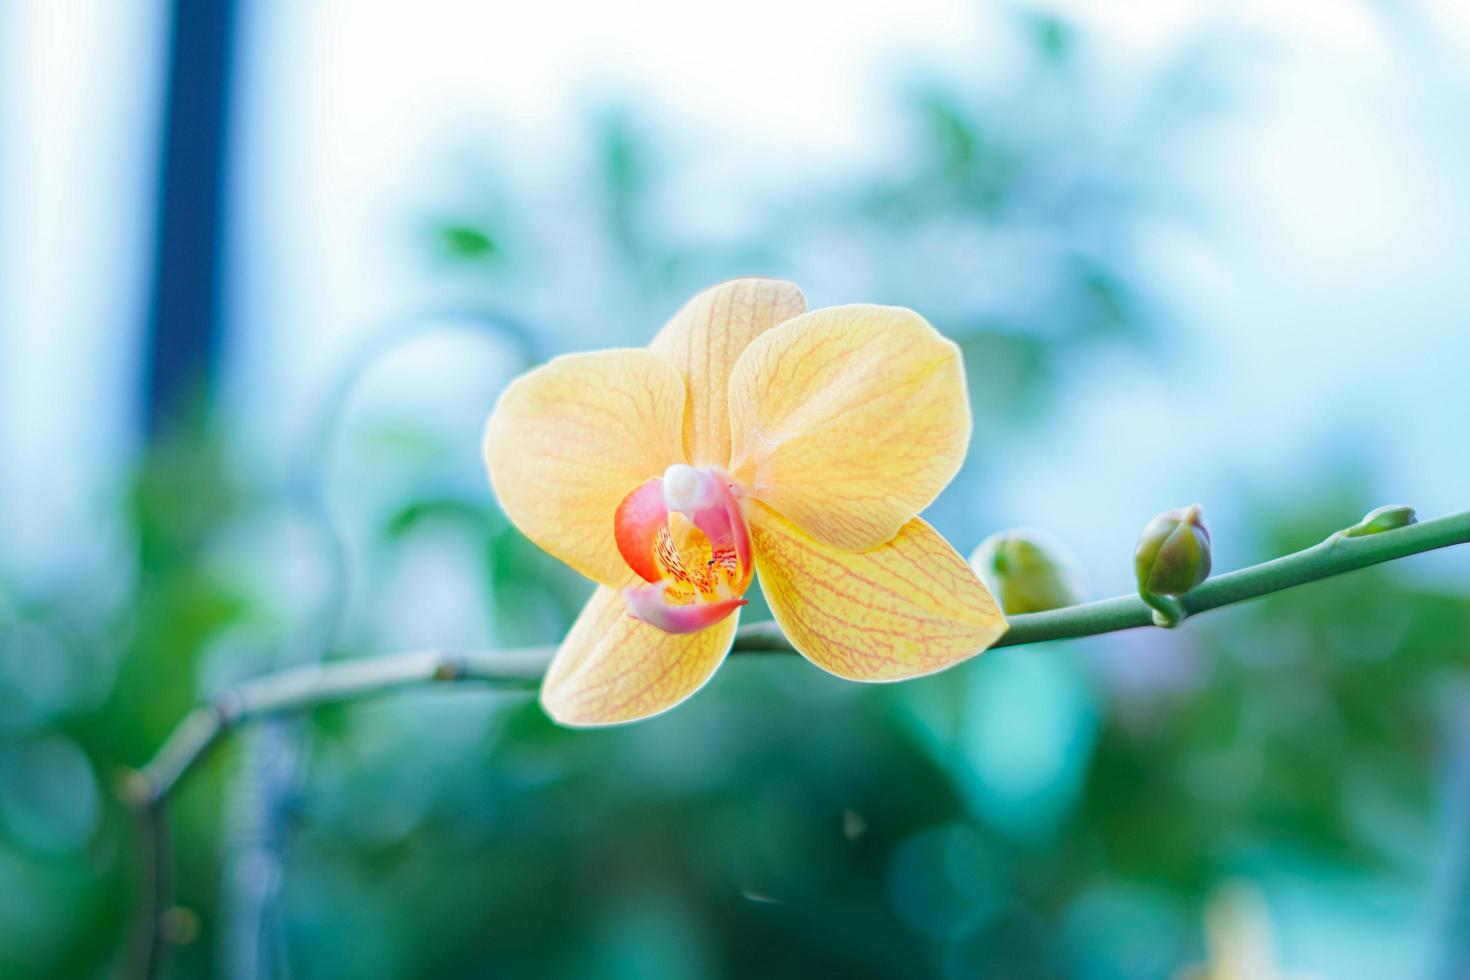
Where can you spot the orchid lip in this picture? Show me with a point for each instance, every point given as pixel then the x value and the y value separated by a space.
pixel 684 534
pixel 649 604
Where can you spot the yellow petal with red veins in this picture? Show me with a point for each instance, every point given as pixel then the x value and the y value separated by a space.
pixel 909 607
pixel 612 668
pixel 704 340
pixel 569 440
pixel 849 421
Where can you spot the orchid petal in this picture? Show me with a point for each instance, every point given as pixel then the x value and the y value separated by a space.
pixel 849 421
pixel 569 440
pixel 612 668
pixel 704 340
pixel 909 607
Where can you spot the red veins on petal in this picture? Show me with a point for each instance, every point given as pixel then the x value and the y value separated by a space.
pixel 685 534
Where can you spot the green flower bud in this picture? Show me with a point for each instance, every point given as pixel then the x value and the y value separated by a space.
pixel 1173 555
pixel 1027 571
pixel 1382 519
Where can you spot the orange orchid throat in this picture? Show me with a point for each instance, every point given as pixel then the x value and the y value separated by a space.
pixel 684 534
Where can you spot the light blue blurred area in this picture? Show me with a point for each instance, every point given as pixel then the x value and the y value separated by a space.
pixel 77 157
pixel 1209 254
pixel 1030 724
pixel 1016 735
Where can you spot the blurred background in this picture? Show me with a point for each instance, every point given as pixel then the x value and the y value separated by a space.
pixel 265 266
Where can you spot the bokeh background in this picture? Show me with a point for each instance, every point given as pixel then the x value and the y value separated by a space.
pixel 265 266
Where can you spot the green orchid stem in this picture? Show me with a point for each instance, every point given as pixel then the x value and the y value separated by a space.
pixel 1335 556
pixel 305 688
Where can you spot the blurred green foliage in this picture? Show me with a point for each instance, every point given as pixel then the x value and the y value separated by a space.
pixel 1055 811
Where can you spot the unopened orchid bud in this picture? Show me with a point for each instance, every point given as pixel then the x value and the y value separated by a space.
pixel 1173 555
pixel 1027 571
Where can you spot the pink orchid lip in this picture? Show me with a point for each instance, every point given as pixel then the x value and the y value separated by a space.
pixel 636 524
pixel 651 605
pixel 646 541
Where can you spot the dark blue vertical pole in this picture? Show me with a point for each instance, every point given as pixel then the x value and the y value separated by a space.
pixel 183 336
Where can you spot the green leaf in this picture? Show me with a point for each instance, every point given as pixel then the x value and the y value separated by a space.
pixel 467 242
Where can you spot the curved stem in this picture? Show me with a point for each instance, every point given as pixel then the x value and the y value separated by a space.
pixel 311 686
pixel 304 688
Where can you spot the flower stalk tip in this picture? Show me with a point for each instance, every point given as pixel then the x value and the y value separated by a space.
pixel 1380 519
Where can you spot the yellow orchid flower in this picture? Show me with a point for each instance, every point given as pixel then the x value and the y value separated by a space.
pixel 750 435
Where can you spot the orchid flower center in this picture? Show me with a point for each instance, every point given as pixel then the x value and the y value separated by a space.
pixel 685 535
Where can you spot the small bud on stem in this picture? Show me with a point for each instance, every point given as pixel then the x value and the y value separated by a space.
pixel 1173 556
pixel 1379 520
pixel 1027 571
